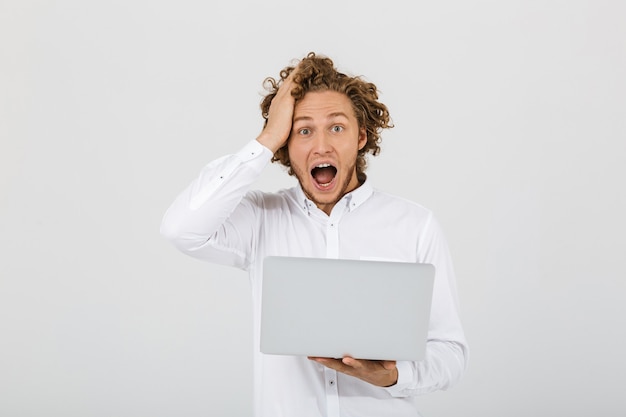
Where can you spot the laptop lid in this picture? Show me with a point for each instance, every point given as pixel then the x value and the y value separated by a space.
pixel 322 307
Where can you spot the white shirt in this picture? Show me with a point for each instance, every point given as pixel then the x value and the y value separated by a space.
pixel 218 219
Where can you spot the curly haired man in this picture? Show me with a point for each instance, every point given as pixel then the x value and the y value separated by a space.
pixel 321 124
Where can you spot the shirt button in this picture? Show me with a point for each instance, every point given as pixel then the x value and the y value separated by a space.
pixel 331 382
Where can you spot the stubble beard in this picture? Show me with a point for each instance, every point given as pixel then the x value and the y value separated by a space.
pixel 335 197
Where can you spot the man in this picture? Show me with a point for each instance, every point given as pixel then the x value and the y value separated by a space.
pixel 321 123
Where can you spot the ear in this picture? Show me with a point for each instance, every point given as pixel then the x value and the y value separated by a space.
pixel 362 137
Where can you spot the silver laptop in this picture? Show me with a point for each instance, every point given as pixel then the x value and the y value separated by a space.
pixel 376 310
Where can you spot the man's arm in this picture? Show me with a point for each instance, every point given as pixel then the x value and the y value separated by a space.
pixel 210 219
pixel 447 350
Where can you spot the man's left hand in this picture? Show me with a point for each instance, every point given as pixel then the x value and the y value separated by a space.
pixel 380 373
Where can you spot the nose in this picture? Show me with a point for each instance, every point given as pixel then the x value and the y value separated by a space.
pixel 322 143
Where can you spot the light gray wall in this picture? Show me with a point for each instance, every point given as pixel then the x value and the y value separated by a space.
pixel 509 124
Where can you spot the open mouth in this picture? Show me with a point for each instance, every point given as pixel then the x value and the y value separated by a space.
pixel 324 174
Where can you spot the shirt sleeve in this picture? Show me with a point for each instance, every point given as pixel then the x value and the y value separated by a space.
pixel 210 220
pixel 447 351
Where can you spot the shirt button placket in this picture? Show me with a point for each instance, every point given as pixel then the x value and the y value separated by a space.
pixel 332 251
pixel 332 394
pixel 332 234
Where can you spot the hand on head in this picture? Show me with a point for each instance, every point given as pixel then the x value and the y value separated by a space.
pixel 280 116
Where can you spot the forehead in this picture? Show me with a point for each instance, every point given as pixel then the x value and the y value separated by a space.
pixel 322 104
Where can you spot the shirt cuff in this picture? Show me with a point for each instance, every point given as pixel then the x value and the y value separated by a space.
pixel 405 379
pixel 252 150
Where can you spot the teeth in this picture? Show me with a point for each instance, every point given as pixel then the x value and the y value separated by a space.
pixel 322 166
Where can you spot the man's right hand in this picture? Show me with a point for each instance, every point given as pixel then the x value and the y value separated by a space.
pixel 280 117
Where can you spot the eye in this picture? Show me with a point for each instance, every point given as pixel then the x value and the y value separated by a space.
pixel 337 129
pixel 304 131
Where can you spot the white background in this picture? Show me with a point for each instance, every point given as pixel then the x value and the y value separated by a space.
pixel 510 125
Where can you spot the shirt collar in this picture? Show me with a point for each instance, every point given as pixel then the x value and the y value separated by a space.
pixel 353 199
pixel 360 195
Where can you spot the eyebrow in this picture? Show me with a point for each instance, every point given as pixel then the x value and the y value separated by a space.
pixel 330 116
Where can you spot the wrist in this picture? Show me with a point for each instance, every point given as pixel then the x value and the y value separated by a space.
pixel 393 377
pixel 270 141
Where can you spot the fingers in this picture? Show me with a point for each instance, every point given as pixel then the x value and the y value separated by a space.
pixel 345 365
pixel 326 361
pixel 353 363
pixel 331 363
pixel 287 85
pixel 361 363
